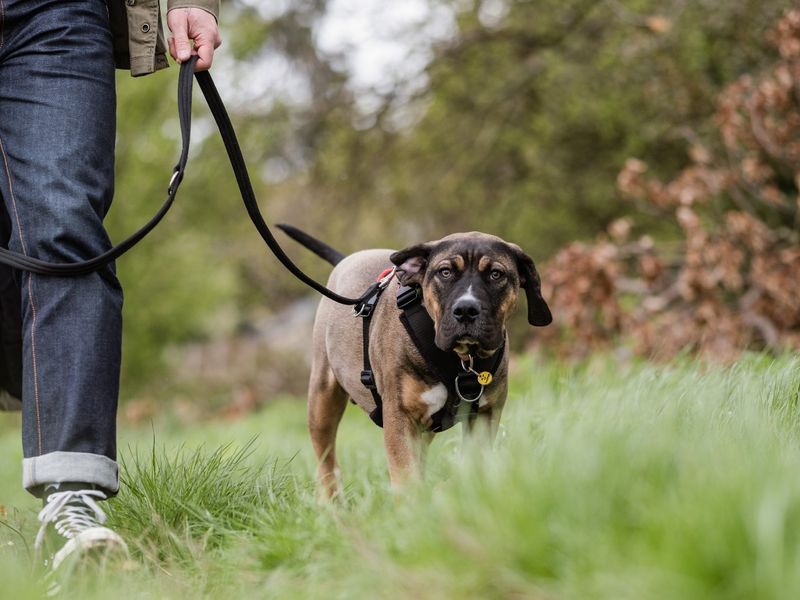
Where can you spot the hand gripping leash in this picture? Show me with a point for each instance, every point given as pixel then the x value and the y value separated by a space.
pixel 185 79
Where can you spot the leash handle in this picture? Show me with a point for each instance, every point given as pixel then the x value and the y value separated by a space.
pixel 24 262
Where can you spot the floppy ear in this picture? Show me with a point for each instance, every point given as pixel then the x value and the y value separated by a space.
pixel 411 263
pixel 538 311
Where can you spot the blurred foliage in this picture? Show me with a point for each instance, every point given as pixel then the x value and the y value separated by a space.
pixel 730 282
pixel 525 123
pixel 178 279
pixel 518 126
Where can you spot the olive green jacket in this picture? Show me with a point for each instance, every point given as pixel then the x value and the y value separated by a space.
pixel 139 43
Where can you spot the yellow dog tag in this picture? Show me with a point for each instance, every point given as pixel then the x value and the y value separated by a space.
pixel 484 378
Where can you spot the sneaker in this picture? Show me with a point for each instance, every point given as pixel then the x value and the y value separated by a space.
pixel 77 527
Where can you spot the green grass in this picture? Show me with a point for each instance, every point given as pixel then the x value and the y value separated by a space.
pixel 607 482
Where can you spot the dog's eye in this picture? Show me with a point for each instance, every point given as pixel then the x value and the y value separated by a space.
pixel 496 274
pixel 445 272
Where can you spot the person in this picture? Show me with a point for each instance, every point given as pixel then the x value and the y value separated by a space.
pixel 57 137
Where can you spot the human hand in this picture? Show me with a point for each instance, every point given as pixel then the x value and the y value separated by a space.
pixel 193 25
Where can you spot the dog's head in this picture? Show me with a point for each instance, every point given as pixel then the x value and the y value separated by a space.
pixel 470 282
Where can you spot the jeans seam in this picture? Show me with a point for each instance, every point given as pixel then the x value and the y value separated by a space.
pixel 34 364
pixel 30 301
pixel 2 23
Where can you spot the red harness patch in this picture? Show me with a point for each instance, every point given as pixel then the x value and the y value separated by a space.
pixel 384 273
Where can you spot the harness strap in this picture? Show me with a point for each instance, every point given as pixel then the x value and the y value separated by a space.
pixel 420 329
pixel 365 310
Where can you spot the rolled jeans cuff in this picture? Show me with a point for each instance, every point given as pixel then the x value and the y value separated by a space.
pixel 70 467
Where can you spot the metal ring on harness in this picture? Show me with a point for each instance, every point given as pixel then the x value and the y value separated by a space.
pixel 465 399
pixel 361 310
pixel 468 369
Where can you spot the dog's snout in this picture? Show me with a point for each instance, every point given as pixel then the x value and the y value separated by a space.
pixel 466 310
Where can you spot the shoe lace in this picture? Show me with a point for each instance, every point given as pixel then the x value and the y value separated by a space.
pixel 71 512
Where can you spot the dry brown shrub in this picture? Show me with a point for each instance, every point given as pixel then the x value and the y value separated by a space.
pixel 731 280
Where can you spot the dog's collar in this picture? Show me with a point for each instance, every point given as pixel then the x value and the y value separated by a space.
pixel 465 380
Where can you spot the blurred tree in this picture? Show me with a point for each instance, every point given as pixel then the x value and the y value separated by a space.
pixel 518 125
pixel 532 109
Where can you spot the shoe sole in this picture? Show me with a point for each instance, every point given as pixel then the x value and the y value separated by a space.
pixel 100 542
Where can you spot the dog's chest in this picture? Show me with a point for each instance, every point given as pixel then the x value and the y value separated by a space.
pixel 434 399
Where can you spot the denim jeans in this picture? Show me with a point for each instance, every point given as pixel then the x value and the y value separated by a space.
pixel 57 134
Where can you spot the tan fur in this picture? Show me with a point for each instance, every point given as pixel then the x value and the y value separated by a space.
pixel 507 306
pixel 407 400
pixel 432 304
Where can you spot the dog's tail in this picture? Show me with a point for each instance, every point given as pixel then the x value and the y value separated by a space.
pixel 321 249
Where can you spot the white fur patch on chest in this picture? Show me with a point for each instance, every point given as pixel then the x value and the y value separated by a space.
pixel 434 399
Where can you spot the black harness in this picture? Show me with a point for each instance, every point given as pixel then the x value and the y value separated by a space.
pixel 465 381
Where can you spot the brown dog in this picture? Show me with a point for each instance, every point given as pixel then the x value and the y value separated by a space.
pixel 469 283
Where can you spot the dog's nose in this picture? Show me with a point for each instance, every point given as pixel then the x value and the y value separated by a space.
pixel 466 310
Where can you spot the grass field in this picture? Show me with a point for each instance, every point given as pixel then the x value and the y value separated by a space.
pixel 607 482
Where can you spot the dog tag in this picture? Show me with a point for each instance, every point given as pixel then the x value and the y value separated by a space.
pixel 484 378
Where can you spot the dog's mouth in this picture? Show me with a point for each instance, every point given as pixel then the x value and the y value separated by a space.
pixel 466 346
pixel 478 339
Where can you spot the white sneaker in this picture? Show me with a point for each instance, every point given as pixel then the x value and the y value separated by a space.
pixel 78 521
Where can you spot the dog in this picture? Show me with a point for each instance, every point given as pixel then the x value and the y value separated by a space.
pixel 469 286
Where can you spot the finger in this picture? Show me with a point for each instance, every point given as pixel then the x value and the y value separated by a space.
pixel 180 46
pixel 206 40
pixel 205 52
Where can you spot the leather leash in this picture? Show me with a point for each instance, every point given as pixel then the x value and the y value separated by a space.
pixel 186 77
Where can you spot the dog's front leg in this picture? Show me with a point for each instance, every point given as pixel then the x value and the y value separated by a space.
pixel 405 446
pixel 326 404
pixel 484 426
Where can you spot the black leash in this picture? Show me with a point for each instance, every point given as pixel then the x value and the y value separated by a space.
pixel 23 262
pixel 246 188
pixel 186 76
